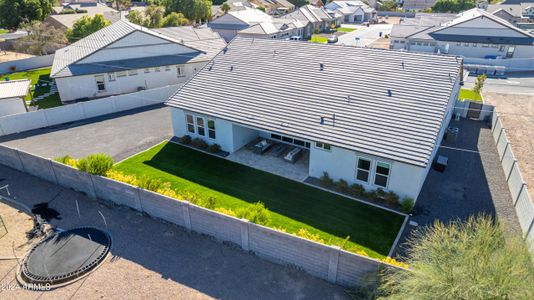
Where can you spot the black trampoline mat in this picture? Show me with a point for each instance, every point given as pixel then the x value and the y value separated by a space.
pixel 66 255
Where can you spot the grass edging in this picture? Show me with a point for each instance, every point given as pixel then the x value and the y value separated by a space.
pixel 397 239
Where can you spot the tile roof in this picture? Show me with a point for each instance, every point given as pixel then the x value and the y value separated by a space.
pixel 277 86
pixel 14 88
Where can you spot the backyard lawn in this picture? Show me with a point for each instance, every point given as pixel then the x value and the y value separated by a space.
pixel 35 76
pixel 470 95
pixel 318 39
pixel 345 29
pixel 2 31
pixel 293 205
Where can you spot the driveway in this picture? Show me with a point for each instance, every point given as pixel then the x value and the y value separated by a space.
pixel 366 35
pixel 119 135
pixel 513 83
pixel 149 259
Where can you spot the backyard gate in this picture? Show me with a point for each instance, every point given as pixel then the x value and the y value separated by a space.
pixel 474 110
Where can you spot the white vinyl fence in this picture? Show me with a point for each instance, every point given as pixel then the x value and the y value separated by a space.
pixel 518 188
pixel 26 64
pixel 84 110
pixel 326 262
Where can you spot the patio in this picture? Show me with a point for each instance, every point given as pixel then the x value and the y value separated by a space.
pixel 273 162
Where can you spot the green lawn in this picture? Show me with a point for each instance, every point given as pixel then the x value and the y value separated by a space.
pixel 318 39
pixel 345 29
pixel 469 94
pixel 2 31
pixel 293 205
pixel 35 76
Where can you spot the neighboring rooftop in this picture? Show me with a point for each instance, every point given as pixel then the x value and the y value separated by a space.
pixel 386 103
pixel 67 20
pixel 14 88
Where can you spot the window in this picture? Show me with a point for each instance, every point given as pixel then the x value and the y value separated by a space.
pixel 190 123
pixel 276 136
pixel 485 45
pixel 466 44
pixel 167 68
pixel 211 129
pixel 100 83
pixel 121 74
pixel 287 139
pixel 180 71
pixel 501 48
pixel 299 143
pixel 111 77
pixel 510 51
pixel 147 70
pixel 200 126
pixel 494 46
pixel 132 72
pixel 382 174
pixel 363 169
pixel 157 69
pixel 323 146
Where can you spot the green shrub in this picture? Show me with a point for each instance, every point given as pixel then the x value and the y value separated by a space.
pixel 152 184
pixel 66 160
pixel 380 193
pixel 97 164
pixel 356 190
pixel 407 204
pixel 67 11
pixel 199 143
pixel 326 181
pixel 342 186
pixel 392 198
pixel 186 140
pixel 256 213
pixel 214 148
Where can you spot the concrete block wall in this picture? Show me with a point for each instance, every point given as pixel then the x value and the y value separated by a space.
pixel 27 63
pixel 326 262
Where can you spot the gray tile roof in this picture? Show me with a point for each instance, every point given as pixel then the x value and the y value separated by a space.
pixel 14 88
pixel 205 43
pixel 277 86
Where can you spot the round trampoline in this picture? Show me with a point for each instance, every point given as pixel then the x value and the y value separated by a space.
pixel 65 257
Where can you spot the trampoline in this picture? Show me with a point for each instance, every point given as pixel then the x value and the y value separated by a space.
pixel 65 257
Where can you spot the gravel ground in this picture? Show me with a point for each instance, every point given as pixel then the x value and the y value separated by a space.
pixel 119 135
pixel 517 115
pixel 151 259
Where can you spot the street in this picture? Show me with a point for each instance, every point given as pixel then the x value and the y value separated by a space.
pixel 513 83
pixel 366 35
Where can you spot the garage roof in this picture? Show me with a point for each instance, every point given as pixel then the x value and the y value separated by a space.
pixel 14 88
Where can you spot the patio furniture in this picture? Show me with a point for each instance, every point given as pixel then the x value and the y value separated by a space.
pixel 278 149
pixel 293 155
pixel 441 163
pixel 261 147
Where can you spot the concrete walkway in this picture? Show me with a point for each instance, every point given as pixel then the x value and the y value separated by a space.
pixel 151 259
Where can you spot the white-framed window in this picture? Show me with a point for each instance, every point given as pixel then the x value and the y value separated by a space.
pixel 510 52
pixel 501 48
pixel 167 68
pixel 211 129
pixel 157 69
pixel 190 121
pixel 363 169
pixel 100 85
pixel 147 70
pixel 494 46
pixel 180 71
pixel 323 146
pixel 200 126
pixel 132 72
pixel 382 172
pixel 121 73
pixel 111 77
pixel 290 140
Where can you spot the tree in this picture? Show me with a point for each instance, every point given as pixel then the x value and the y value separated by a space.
pixel 154 16
pixel 15 12
pixel 136 17
pixel 480 82
pixel 194 10
pixel 452 6
pixel 225 7
pixel 42 39
pixel 175 19
pixel 85 26
pixel 476 259
pixel 122 4
pixel 388 5
pixel 299 3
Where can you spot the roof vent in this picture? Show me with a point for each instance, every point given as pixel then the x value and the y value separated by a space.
pixel 390 93
pixel 333 118
pixel 402 63
pixel 231 68
pixel 225 49
pixel 321 67
pixel 284 124
pixel 211 66
pixel 348 99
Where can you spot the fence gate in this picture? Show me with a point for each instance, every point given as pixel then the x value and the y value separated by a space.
pixel 474 110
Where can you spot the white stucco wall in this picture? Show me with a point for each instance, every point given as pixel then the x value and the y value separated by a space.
pixel 11 106
pixel 77 87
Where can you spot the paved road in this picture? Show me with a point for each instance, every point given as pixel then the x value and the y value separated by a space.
pixel 119 135
pixel 366 35
pixel 518 83
pixel 151 259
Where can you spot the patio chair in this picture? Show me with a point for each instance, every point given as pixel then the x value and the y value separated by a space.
pixel 293 155
pixel 262 147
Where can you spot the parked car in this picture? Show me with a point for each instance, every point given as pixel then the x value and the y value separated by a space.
pixel 332 39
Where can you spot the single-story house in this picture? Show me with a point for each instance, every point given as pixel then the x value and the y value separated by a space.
pixel 472 34
pixel 417 5
pixel 277 29
pixel 125 58
pixel 352 11
pixel 12 95
pixel 228 25
pixel 369 116
pixel 521 14
pixel 63 17
pixel 317 19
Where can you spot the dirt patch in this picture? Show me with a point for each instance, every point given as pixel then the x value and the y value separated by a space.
pixel 9 56
pixel 517 115
pixel 381 43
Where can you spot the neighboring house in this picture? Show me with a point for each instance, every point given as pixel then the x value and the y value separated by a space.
pixel 12 95
pixel 317 19
pixel 64 21
pixel 125 57
pixel 382 129
pixel 472 34
pixel 417 5
pixel 277 29
pixel 352 11
pixel 521 15
pixel 229 24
